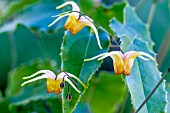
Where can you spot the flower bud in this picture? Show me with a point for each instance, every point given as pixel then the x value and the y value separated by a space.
pixel 69 97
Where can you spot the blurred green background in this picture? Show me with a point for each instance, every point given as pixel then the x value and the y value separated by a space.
pixel 28 45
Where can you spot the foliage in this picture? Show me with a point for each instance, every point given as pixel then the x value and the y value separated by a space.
pixel 135 38
pixel 29 45
pixel 73 56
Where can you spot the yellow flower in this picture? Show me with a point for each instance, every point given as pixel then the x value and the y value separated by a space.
pixel 122 63
pixel 54 84
pixel 75 21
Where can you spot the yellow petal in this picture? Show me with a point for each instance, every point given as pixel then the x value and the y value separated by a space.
pixel 77 27
pixel 118 63
pixel 129 58
pixel 75 23
pixel 54 85
pixel 71 23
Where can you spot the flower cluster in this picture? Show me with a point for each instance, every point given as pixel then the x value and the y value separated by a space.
pixel 122 62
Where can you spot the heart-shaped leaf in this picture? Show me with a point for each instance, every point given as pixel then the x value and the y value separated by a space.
pixel 75 49
pixel 144 76
pixel 132 26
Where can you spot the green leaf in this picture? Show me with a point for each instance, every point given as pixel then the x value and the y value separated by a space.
pixel 161 37
pixel 102 15
pixel 36 91
pixel 143 78
pixel 4 106
pixel 157 23
pixel 108 89
pixel 14 38
pixel 1 97
pixel 127 108
pixel 132 26
pixel 5 58
pixel 40 106
pixel 75 49
pixel 15 7
pixel 15 76
pixel 144 74
pixel 159 28
pixel 168 90
pixel 24 45
pixel 39 17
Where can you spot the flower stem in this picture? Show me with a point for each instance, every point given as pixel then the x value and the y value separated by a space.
pixel 164 76
pixel 141 2
pixel 151 13
pixel 98 25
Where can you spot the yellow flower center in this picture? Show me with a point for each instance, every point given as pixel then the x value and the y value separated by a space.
pixel 54 85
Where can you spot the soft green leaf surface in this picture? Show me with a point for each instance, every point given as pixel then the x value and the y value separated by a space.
pixel 160 33
pixel 144 76
pixel 5 58
pixel 106 89
pixel 160 28
pixel 127 107
pixel 15 76
pixel 132 26
pixel 14 7
pixel 24 45
pixel 168 89
pixel 1 97
pixel 4 106
pixel 41 106
pixel 21 44
pixel 75 49
pixel 81 108
pixel 37 16
pixel 36 91
pixel 103 15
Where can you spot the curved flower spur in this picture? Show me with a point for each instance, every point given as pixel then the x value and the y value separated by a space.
pixel 75 21
pixel 55 84
pixel 122 63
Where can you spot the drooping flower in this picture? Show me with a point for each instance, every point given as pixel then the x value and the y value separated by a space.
pixel 54 84
pixel 76 21
pixel 122 63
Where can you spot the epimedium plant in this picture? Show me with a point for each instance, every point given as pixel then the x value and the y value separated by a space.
pixel 122 63
pixel 79 44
